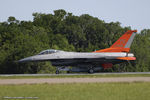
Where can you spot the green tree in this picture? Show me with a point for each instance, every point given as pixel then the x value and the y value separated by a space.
pixel 65 31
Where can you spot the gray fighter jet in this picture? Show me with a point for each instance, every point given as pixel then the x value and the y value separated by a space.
pixel 89 61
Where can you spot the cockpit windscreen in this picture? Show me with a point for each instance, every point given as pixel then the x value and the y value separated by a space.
pixel 50 51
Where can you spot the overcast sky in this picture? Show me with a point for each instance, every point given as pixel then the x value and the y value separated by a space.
pixel 134 13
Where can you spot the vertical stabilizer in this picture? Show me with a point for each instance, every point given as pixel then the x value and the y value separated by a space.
pixel 122 44
pixel 125 40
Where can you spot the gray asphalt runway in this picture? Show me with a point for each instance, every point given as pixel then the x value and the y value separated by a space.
pixel 73 80
pixel 74 74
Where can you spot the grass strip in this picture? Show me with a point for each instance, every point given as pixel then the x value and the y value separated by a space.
pixel 79 91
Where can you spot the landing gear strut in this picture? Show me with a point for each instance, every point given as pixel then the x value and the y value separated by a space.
pixel 57 70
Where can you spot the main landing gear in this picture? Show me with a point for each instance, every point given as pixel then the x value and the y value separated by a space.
pixel 91 70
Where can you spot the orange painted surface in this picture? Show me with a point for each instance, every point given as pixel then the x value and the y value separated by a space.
pixel 119 45
pixel 126 58
pixel 121 42
pixel 113 50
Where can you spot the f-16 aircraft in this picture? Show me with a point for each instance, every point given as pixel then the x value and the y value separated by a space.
pixel 89 61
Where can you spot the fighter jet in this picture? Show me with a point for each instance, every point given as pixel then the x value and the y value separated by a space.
pixel 89 61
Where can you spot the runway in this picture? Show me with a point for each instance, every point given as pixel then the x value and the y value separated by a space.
pixel 104 73
pixel 56 80
pixel 73 80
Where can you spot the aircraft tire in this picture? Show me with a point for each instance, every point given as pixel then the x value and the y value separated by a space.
pixel 91 71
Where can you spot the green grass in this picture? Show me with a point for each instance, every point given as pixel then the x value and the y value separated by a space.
pixel 79 91
pixel 77 76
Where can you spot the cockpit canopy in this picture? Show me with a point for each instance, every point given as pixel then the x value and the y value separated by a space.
pixel 50 51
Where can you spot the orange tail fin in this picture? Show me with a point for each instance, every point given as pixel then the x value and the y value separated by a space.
pixel 122 44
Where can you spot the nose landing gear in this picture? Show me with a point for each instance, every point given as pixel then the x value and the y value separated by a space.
pixel 60 69
pixel 57 72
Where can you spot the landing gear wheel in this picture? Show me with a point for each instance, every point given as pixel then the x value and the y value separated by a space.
pixel 57 71
pixel 91 71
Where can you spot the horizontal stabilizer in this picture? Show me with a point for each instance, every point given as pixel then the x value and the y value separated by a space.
pixel 126 58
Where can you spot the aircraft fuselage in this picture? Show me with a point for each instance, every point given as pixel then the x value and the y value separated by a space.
pixel 63 58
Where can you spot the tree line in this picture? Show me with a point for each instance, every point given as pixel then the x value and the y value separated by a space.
pixel 64 31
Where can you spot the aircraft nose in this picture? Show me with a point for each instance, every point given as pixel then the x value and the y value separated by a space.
pixel 25 59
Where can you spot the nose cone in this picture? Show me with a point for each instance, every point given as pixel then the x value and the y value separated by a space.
pixel 28 59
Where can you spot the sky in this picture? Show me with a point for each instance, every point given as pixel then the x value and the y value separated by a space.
pixel 134 13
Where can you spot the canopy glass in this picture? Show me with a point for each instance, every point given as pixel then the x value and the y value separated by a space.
pixel 50 51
